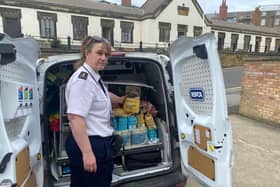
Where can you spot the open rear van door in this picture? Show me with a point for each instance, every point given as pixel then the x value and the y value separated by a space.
pixel 21 161
pixel 205 135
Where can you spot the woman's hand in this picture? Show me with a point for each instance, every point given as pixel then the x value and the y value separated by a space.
pixel 116 99
pixel 89 162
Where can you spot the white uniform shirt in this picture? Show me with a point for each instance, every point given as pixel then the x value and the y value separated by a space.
pixel 85 97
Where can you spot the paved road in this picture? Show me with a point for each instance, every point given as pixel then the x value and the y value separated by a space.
pixel 256 155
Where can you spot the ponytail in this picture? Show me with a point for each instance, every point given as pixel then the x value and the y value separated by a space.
pixel 87 45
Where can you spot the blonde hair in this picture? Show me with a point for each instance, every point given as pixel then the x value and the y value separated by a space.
pixel 87 44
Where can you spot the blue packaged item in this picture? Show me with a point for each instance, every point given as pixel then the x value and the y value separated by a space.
pixel 131 122
pixel 139 136
pixel 126 135
pixel 115 124
pixel 152 134
pixel 122 123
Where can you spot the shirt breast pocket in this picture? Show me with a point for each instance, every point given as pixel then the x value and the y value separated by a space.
pixel 99 102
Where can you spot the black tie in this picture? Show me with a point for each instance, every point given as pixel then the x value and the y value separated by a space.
pixel 101 84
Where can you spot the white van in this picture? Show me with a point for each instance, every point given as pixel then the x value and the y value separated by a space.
pixel 193 134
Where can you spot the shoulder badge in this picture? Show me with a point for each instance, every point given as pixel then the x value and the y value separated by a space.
pixel 83 75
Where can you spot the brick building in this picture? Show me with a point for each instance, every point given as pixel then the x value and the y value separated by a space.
pixel 263 15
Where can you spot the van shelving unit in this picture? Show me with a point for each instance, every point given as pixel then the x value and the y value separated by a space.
pixel 61 158
pixel 132 149
pixel 64 128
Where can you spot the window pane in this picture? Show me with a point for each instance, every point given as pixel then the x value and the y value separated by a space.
pixel 47 23
pixel 197 31
pixel 277 21
pixel 79 30
pixel 47 31
pixel 263 22
pixel 247 42
pixel 52 31
pixel 234 40
pixel 164 31
pixel 42 27
pixel 126 35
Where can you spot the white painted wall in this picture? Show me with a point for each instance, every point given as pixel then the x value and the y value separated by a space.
pixel 253 42
pixel 273 43
pixel 1 25
pixel 240 44
pixel 170 15
pixel 241 40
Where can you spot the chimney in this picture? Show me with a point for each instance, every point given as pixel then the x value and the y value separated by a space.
pixel 223 10
pixel 256 17
pixel 126 2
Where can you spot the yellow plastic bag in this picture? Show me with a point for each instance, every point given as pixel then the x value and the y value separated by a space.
pixel 119 112
pixel 140 121
pixel 131 105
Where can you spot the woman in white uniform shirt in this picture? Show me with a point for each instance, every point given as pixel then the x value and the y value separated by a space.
pixel 89 147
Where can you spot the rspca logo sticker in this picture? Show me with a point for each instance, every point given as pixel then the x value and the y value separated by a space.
pixel 196 94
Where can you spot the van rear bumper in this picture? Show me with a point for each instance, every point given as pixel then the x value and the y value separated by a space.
pixel 172 179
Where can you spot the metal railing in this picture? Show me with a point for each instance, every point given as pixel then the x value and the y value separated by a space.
pixel 162 47
pixel 239 47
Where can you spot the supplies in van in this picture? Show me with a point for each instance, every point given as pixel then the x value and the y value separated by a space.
pixel 131 122
pixel 132 101
pixel 117 112
pixel 152 128
pixel 140 120
pixel 139 136
pixel 115 123
pixel 150 122
pixel 131 105
pixel 133 91
pixel 122 123
pixel 148 107
pixel 152 134
pixel 54 122
pixel 126 136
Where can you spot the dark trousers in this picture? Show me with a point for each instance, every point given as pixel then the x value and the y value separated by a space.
pixel 102 149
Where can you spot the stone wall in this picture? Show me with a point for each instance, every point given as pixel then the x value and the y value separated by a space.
pixel 232 59
pixel 260 94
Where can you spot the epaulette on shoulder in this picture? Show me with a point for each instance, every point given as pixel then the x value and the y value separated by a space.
pixel 83 75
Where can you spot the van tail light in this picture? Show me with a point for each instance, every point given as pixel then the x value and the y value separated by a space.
pixel 116 53
pixel 180 184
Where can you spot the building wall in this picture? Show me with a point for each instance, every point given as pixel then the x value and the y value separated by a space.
pixel 169 14
pixel 146 30
pixel 260 95
pixel 1 25
pixel 64 26
pixel 240 46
